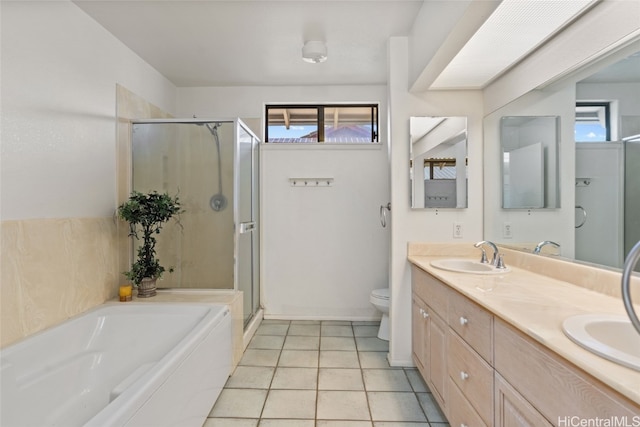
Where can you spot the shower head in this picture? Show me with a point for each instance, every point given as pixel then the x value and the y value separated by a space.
pixel 213 129
pixel 218 201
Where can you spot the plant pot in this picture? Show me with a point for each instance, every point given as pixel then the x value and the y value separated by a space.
pixel 147 288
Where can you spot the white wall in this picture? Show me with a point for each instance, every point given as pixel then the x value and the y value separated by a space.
pixel 601 237
pixel 59 75
pixel 58 177
pixel 323 248
pixel 431 225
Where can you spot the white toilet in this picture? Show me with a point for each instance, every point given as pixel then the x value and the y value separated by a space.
pixel 380 300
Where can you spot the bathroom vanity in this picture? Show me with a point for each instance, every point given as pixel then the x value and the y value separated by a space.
pixel 492 351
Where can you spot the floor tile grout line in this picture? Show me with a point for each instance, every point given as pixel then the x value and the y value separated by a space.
pixel 359 352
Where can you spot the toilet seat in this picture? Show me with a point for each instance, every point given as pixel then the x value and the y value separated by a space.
pixel 382 294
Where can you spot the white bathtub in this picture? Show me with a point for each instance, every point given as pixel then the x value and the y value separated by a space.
pixel 122 364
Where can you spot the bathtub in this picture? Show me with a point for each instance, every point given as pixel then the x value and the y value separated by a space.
pixel 120 364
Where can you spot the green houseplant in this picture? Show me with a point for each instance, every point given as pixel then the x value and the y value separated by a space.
pixel 146 215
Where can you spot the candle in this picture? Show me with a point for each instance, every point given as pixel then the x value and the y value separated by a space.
pixel 125 293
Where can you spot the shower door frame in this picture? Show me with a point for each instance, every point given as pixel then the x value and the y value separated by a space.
pixel 255 198
pixel 255 219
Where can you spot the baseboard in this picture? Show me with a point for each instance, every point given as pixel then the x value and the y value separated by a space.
pixel 320 318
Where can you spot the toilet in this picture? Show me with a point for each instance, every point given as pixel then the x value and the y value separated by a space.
pixel 380 300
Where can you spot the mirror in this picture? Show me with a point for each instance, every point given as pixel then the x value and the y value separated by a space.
pixel 438 162
pixel 529 162
pixel 596 177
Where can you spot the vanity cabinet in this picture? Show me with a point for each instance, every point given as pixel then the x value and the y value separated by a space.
pixel 557 389
pixel 460 379
pixel 429 333
pixel 484 372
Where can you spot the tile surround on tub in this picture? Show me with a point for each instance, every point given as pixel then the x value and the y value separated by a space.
pixel 53 269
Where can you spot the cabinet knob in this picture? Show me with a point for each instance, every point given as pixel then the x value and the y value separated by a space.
pixel 463 425
pixel 425 314
pixel 421 311
pixel 463 375
pixel 463 320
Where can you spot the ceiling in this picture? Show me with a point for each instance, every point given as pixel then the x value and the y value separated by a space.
pixel 258 42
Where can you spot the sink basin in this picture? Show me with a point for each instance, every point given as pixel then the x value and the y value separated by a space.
pixel 461 265
pixel 609 336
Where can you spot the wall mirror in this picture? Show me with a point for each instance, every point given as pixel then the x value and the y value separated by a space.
pixel 529 162
pixel 599 219
pixel 438 162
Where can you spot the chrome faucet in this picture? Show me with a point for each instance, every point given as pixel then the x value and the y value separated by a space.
pixel 545 243
pixel 494 259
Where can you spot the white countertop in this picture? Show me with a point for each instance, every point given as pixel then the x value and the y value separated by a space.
pixel 537 305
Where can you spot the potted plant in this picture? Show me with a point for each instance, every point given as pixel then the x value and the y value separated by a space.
pixel 146 215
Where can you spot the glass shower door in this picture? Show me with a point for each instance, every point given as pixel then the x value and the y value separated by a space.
pixel 247 261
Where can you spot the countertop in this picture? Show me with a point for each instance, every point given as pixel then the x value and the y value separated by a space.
pixel 537 305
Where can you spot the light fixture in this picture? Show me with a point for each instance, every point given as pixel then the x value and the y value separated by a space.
pixel 314 52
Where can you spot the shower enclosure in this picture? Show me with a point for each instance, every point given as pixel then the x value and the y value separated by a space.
pixel 212 166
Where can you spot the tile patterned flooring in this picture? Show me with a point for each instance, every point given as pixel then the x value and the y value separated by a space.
pixel 322 374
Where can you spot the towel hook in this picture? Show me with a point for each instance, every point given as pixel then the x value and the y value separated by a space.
pixel 383 214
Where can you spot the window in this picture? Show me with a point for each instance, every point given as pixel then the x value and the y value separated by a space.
pixel 440 168
pixel 593 122
pixel 328 123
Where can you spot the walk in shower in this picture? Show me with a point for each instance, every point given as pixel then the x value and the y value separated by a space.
pixel 212 166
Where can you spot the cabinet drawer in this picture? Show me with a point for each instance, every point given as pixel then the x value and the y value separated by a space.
pixel 433 292
pixel 473 323
pixel 552 385
pixel 463 414
pixel 472 375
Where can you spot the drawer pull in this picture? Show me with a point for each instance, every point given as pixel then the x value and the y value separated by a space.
pixel 463 375
pixel 463 425
pixel 463 320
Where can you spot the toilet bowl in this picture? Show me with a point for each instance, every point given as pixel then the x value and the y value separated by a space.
pixel 380 300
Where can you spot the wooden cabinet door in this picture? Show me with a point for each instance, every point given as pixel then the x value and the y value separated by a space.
pixel 419 334
pixel 512 410
pixel 438 357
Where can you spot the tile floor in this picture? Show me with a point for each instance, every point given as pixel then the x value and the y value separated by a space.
pixel 322 374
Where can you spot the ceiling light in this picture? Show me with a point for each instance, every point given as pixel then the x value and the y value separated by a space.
pixel 314 52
